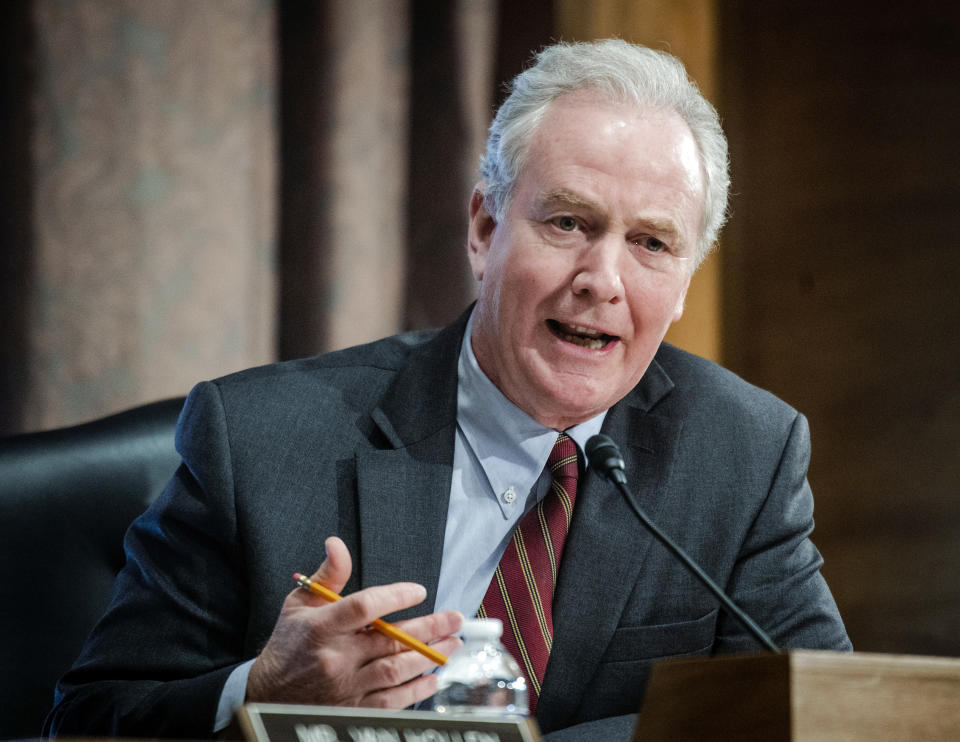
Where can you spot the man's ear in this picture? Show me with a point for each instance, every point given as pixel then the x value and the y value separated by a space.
pixel 479 233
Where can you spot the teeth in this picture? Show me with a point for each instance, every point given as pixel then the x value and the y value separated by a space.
pixel 593 343
pixel 585 337
pixel 578 330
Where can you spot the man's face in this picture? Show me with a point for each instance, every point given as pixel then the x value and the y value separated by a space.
pixel 591 263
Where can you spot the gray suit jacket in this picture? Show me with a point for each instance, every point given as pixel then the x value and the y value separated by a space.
pixel 359 443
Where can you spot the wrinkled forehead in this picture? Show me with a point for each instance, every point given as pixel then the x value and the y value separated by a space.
pixel 583 102
pixel 666 123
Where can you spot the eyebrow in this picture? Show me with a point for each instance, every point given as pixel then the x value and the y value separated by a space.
pixel 562 197
pixel 664 227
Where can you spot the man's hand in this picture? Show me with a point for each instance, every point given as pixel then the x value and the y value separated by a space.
pixel 321 653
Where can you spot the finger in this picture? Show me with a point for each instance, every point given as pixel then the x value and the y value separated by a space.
pixel 433 627
pixel 398 669
pixel 402 696
pixel 361 608
pixel 428 629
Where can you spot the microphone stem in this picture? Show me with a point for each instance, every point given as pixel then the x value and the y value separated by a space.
pixel 731 608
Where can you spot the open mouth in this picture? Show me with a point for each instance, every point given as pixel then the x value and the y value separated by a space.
pixel 579 335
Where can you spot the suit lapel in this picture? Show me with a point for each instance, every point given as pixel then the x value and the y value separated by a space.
pixel 605 550
pixel 400 496
pixel 403 488
pixel 403 483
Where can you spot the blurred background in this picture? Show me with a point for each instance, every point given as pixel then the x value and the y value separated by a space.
pixel 189 188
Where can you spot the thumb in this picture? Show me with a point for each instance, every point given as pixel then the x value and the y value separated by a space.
pixel 336 568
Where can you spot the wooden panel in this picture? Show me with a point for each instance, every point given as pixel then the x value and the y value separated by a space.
pixel 841 275
pixel 873 697
pixel 803 696
pixel 744 698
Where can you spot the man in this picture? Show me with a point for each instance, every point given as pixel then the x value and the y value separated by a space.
pixel 406 465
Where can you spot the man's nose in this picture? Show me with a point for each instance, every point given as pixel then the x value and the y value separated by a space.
pixel 598 270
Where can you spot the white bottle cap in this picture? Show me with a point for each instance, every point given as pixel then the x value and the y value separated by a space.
pixel 482 628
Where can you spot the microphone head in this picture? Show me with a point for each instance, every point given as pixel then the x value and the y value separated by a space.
pixel 604 454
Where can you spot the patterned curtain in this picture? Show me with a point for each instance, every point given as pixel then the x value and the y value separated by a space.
pixel 193 188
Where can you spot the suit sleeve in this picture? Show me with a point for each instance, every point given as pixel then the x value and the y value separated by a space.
pixel 157 661
pixel 777 579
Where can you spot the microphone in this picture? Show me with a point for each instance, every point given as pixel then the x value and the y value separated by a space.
pixel 604 454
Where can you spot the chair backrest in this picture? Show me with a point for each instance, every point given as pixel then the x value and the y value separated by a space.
pixel 67 497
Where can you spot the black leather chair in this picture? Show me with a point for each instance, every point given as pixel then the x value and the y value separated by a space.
pixel 67 497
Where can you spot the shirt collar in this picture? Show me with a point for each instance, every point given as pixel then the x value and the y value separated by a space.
pixel 511 446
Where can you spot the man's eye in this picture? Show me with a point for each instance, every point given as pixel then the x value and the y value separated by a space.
pixel 565 223
pixel 652 244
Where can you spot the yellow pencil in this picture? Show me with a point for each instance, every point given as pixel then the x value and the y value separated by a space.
pixel 379 624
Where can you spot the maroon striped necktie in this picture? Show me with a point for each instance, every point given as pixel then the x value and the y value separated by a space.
pixel 521 591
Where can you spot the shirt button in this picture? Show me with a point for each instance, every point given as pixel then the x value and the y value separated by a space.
pixel 510 495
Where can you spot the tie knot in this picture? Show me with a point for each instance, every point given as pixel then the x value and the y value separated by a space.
pixel 563 455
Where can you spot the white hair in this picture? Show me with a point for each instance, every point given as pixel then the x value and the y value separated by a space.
pixel 621 73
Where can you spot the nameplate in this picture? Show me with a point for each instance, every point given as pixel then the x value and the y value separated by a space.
pixel 269 722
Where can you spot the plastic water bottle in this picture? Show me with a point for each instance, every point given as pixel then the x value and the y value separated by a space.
pixel 481 677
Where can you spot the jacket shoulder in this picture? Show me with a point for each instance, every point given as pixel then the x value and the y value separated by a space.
pixel 357 366
pixel 702 387
pixel 387 354
pixel 326 390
